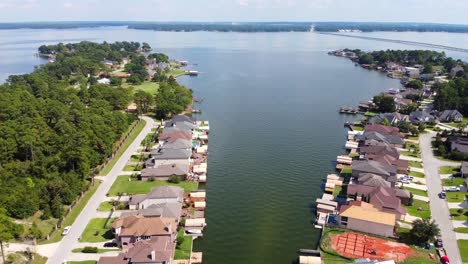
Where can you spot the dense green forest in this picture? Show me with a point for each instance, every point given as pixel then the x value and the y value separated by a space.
pixel 452 95
pixel 54 130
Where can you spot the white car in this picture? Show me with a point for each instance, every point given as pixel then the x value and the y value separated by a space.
pixel 66 230
pixel 452 189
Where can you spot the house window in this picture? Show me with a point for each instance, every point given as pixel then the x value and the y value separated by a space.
pixel 344 220
pixel 146 237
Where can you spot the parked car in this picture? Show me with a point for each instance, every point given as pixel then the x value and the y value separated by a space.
pixel 405 181
pixel 439 243
pixel 66 230
pixel 442 195
pixel 445 260
pixel 110 244
pixel 452 189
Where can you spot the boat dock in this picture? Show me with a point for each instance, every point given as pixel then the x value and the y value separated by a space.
pixel 351 111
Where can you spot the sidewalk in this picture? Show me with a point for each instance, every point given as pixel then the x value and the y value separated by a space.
pixel 459 223
pixel 403 157
pixel 462 205
pixel 421 198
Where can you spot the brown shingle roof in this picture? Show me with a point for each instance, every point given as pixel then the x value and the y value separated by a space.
pixel 142 226
pixel 367 212
pixel 383 129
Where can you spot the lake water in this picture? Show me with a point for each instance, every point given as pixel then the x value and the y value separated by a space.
pixel 272 100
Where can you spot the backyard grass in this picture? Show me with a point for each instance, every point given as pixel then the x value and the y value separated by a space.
pixel 124 147
pixel 411 154
pixel 358 128
pixel 347 170
pixel 38 259
pixel 449 170
pixel 416 174
pixel 454 197
pixel 453 181
pixel 412 137
pixel 459 216
pixel 183 250
pixel 147 86
pixel 415 164
pixel 420 256
pixel 100 250
pixel 416 191
pixel 463 246
pixel 413 209
pixel 461 230
pixel 105 206
pixel 137 158
pixel 71 217
pixel 337 191
pixel 123 185
pixel 96 232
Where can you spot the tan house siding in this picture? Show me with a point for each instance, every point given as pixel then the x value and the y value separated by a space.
pixel 370 227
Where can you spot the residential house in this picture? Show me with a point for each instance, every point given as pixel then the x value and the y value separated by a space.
pixel 161 156
pixel 383 149
pixel 392 118
pixel 157 250
pixel 460 144
pixel 448 116
pixel 395 131
pixel 388 172
pixel 365 190
pixel 178 143
pixel 400 164
pixel 421 117
pixel 456 69
pixel 174 135
pixel 364 217
pixel 163 172
pixel 158 195
pixel 392 140
pixel 372 180
pixel 410 91
pixel 167 210
pixel 412 72
pixel 131 229
pixel 181 118
pixel 183 125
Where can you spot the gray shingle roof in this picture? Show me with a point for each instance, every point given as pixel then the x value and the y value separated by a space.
pixel 162 154
pixel 178 169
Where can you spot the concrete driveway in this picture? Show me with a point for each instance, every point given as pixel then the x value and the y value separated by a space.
pixel 70 241
pixel 439 208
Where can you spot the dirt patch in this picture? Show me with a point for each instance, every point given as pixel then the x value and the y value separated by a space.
pixel 354 245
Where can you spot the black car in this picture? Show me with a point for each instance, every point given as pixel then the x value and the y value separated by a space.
pixel 110 244
pixel 439 243
pixel 442 195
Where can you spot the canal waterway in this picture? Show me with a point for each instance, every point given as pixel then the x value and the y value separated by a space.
pixel 272 100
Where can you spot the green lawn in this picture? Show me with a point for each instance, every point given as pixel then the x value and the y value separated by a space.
pixel 415 164
pixel 96 232
pixel 71 217
pixel 358 128
pixel 370 114
pixel 453 181
pixel 337 190
pixel 412 137
pixel 411 154
pixel 82 262
pixel 416 191
pixel 461 230
pixel 416 174
pixel 45 226
pixel 124 147
pixel 463 246
pixel 123 185
pixel 185 249
pixel 132 168
pixel 413 209
pixel 147 86
pixel 137 158
pixel 449 170
pixel 105 206
pixel 453 197
pixel 176 72
pixel 100 250
pixel 347 170
pixel 457 216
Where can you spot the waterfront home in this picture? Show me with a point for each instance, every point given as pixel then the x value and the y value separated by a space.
pixel 455 70
pixel 412 72
pixel 400 164
pixel 157 250
pixel 410 91
pixel 168 210
pixel 392 118
pixel 374 167
pixel 181 118
pixel 158 195
pixel 174 135
pixel 162 156
pixel 163 172
pixel 448 116
pixel 364 217
pixel 385 198
pixel 389 139
pixel 460 144
pixel 177 143
pixel 183 125
pixel 131 229
pixel 421 117
pixel 383 149
pixel 373 180
pixel 395 131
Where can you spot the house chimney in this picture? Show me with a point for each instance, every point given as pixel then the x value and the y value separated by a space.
pixel 153 255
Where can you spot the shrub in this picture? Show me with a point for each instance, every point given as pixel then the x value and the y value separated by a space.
pixel 90 250
pixel 180 240
pixel 174 179
pixel 151 179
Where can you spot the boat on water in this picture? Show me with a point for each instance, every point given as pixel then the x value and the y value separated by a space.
pixel 194 231
pixel 193 73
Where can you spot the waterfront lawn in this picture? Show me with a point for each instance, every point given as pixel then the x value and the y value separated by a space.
pixel 176 72
pixel 415 164
pixel 463 216
pixel 329 255
pixel 337 191
pixel 416 191
pixel 454 197
pixel 416 174
pixel 183 250
pixel 123 185
pixel 147 86
pixel 105 206
pixel 461 230
pixel 413 209
pixel 124 147
pixel 463 246
pixel 449 169
pixel 411 154
pixel 357 128
pixel 71 217
pixel 95 231
pixel 453 181
pixel 347 170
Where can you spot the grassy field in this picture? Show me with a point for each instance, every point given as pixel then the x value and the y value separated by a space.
pixel 105 206
pixel 463 246
pixel 124 147
pixel 45 226
pixel 132 168
pixel 416 191
pixel 96 232
pixel 358 128
pixel 415 164
pixel 176 72
pixel 449 170
pixel 123 185
pixel 347 170
pixel 411 154
pixel 461 230
pixel 453 197
pixel 147 86
pixel 459 216
pixel 416 174
pixel 453 181
pixel 413 209
pixel 185 249
pixel 100 250
pixel 70 219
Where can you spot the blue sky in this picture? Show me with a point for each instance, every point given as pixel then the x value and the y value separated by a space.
pixel 441 11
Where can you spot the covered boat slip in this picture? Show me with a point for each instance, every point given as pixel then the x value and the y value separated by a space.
pixel 198 222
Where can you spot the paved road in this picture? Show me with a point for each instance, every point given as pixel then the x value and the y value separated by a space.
pixel 70 241
pixel 439 208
